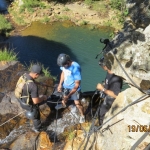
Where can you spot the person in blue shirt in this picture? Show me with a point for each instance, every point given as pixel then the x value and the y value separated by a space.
pixel 70 80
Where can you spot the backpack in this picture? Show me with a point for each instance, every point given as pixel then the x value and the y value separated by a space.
pixel 19 87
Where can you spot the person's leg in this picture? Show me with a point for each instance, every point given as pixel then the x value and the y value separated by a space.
pixel 104 108
pixel 35 110
pixel 79 106
pixel 36 120
pixel 76 97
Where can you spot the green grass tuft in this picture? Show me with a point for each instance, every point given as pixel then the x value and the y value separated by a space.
pixel 8 55
pixel 46 71
pixel 4 24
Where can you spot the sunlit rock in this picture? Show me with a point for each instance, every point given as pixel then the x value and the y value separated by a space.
pixel 75 141
pixel 44 142
pixel 31 140
pixel 129 57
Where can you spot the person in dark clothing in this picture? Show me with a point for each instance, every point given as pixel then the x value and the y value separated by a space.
pixel 31 104
pixel 111 88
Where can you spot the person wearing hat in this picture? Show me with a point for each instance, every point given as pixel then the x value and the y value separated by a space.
pixel 34 99
pixel 70 81
pixel 111 88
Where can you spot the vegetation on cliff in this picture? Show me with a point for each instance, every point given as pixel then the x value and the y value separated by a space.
pixel 111 12
pixel 7 55
pixel 5 25
pixel 45 70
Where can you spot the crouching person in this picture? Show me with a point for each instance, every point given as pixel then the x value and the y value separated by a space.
pixel 27 93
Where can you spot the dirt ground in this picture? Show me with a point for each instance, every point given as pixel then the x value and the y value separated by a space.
pixel 77 12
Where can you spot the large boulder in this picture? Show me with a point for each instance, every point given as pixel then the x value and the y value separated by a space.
pixel 129 57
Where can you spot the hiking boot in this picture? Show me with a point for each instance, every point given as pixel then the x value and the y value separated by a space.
pixel 82 119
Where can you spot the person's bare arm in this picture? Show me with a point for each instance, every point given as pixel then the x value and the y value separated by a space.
pixel 59 88
pixel 39 99
pixel 65 98
pixel 77 84
pixel 108 92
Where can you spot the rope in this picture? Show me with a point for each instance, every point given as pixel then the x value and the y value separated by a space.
pixel 93 118
pixel 134 102
pixel 55 129
pixel 81 128
pixel 53 102
pixel 56 124
pixel 92 104
pixel 12 118
pixel 92 129
pixel 139 140
pixel 35 143
pixel 127 74
pixel 96 129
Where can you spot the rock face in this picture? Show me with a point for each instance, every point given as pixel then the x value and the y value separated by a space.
pixel 139 12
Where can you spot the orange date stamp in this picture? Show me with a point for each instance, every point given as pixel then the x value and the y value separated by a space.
pixel 139 128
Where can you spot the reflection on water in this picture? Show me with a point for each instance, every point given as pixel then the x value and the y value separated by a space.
pixel 44 42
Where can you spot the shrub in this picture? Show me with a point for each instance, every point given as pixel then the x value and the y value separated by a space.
pixel 4 24
pixel 116 4
pixel 45 19
pixel 31 3
pixel 123 11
